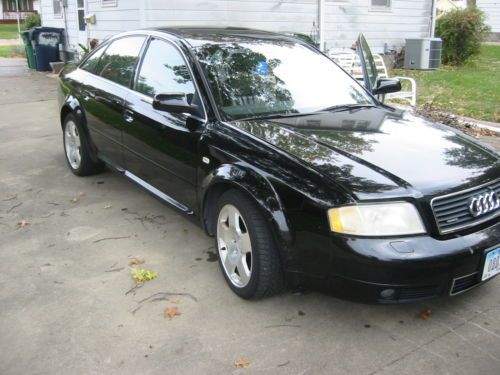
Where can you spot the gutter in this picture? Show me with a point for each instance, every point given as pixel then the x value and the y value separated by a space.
pixel 321 24
pixel 433 18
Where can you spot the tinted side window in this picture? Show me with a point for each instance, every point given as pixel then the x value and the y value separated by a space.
pixel 117 63
pixel 164 71
pixel 91 63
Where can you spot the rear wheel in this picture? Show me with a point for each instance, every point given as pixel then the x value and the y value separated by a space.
pixel 246 248
pixel 77 148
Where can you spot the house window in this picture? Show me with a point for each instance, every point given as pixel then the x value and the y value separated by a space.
pixel 57 6
pixel 109 3
pixel 381 4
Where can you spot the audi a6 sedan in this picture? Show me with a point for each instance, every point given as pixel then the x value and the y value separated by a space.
pixel 302 176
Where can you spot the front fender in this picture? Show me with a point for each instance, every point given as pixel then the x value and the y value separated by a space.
pixel 257 186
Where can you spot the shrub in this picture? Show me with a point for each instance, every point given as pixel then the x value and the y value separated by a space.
pixel 462 32
pixel 32 20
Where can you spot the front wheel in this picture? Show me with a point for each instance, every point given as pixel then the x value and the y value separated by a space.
pixel 246 248
pixel 77 148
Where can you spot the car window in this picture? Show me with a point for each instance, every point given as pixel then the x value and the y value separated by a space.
pixel 91 63
pixel 369 62
pixel 118 62
pixel 164 71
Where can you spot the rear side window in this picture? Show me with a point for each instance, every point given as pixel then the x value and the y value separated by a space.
pixel 164 71
pixel 118 62
pixel 91 63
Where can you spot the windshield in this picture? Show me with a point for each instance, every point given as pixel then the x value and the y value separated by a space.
pixel 265 77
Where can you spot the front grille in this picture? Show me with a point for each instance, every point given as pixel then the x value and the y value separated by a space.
pixel 461 284
pixel 417 293
pixel 452 211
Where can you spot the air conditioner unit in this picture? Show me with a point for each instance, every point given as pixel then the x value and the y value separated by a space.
pixel 423 53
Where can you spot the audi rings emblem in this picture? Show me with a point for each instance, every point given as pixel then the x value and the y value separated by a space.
pixel 484 203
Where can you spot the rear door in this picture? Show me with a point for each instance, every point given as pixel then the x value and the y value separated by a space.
pixel 159 148
pixel 104 94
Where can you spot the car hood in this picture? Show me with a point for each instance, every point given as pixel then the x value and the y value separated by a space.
pixel 376 152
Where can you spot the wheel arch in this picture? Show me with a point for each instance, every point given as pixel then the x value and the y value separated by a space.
pixel 253 184
pixel 71 105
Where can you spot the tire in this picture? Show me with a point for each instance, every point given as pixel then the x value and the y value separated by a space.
pixel 249 228
pixel 77 148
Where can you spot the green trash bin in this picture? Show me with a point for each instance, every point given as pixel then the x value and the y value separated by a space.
pixel 30 54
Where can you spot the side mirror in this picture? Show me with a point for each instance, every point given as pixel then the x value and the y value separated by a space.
pixel 386 86
pixel 174 103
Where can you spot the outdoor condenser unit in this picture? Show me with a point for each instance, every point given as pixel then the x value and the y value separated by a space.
pixel 423 53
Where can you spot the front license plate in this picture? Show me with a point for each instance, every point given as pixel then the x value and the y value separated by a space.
pixel 492 264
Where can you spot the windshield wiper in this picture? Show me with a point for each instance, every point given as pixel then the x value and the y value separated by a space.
pixel 277 115
pixel 345 107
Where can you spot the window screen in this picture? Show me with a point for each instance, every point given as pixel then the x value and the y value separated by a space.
pixel 381 3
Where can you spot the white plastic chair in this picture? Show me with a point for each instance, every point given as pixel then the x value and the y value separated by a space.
pixel 350 62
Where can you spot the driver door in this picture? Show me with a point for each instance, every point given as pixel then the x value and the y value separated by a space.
pixel 370 74
pixel 378 86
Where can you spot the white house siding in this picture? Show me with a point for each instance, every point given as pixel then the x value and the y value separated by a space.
pixel 406 19
pixel 344 19
pixel 492 10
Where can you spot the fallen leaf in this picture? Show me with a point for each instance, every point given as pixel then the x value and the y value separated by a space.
pixel 141 275
pixel 23 223
pixel 75 200
pixel 136 261
pixel 242 363
pixel 424 315
pixel 82 194
pixel 107 206
pixel 170 312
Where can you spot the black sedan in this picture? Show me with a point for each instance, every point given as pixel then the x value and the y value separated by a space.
pixel 302 176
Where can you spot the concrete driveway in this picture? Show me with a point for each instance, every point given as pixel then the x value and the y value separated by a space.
pixel 66 304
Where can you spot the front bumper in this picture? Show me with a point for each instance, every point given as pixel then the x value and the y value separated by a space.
pixel 400 270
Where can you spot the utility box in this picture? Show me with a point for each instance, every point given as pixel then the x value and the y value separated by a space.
pixel 423 53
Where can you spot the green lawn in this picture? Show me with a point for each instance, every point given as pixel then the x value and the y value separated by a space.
pixel 472 90
pixel 9 31
pixel 12 51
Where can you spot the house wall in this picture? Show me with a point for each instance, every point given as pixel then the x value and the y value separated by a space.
pixel 492 10
pixel 344 19
pixel 406 19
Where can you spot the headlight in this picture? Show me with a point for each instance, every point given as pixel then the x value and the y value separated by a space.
pixel 379 219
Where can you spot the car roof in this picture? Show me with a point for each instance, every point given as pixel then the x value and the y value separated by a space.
pixel 196 35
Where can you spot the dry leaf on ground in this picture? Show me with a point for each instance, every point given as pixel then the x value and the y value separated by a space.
pixel 75 200
pixel 242 363
pixel 171 312
pixel 136 261
pixel 424 315
pixel 82 194
pixel 23 223
pixel 107 206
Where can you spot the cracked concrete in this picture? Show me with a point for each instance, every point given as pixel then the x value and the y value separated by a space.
pixel 62 310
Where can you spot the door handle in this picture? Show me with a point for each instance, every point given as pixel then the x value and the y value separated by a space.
pixel 128 116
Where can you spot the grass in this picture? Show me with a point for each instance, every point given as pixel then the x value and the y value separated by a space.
pixel 12 51
pixel 472 90
pixel 9 31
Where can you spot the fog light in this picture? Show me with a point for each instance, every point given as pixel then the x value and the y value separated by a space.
pixel 387 293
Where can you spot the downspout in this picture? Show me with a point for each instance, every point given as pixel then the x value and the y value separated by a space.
pixel 321 24
pixel 433 19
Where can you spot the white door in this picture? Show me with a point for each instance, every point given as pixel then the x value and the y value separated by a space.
pixel 81 11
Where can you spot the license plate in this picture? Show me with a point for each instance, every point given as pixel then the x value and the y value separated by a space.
pixel 492 264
